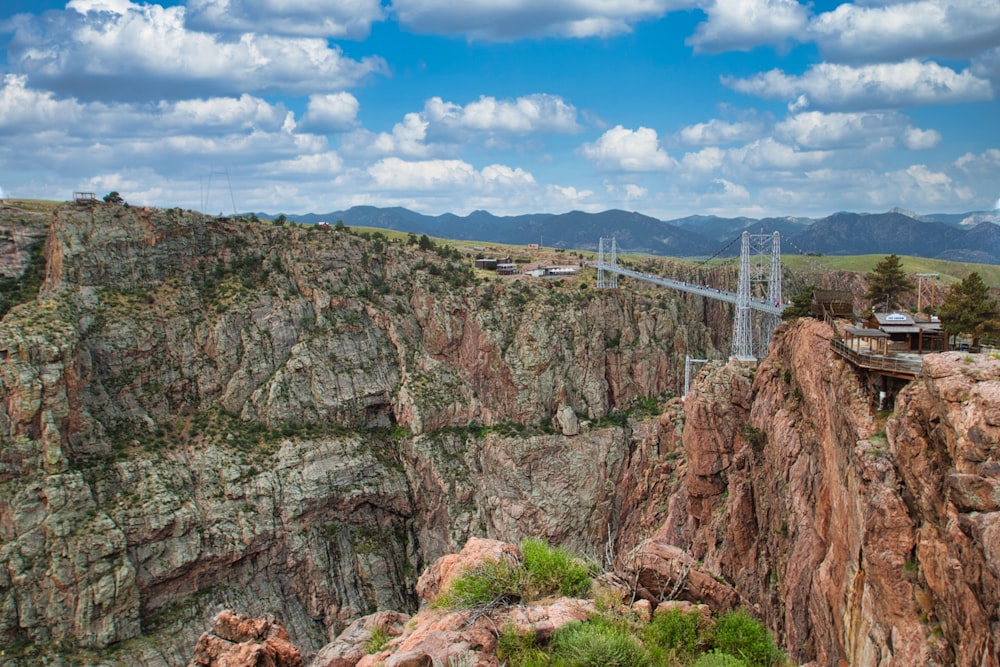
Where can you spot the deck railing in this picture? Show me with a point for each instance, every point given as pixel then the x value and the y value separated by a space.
pixel 910 367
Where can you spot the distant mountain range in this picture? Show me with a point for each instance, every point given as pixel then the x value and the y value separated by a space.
pixel 970 237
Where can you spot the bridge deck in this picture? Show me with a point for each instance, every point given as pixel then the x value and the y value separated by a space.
pixel 701 290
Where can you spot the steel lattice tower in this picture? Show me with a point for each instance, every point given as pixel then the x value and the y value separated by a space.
pixel 607 280
pixel 756 272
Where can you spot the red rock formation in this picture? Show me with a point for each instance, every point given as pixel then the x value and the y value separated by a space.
pixel 860 547
pixel 662 572
pixel 350 645
pixel 237 640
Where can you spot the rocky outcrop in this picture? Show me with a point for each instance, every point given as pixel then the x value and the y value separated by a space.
pixel 356 640
pixel 240 641
pixel 662 572
pixel 436 636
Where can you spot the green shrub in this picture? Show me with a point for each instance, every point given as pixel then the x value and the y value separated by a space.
pixel 740 634
pixel 377 640
pixel 553 570
pixel 755 436
pixel 718 659
pixel 491 582
pixel 675 631
pixel 597 643
pixel 519 650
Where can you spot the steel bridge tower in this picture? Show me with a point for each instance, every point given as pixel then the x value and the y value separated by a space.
pixel 607 280
pixel 760 278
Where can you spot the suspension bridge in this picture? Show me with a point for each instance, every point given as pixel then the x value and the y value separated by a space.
pixel 757 300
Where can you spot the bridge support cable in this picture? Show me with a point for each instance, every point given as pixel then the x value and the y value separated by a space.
pixel 759 279
pixel 607 279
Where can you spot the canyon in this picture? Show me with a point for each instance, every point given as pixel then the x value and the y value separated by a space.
pixel 201 414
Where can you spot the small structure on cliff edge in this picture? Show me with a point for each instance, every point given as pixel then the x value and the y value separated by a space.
pixel 85 198
pixel 887 347
pixel 833 303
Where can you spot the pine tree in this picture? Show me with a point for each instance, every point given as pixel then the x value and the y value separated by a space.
pixel 801 304
pixel 114 197
pixel 968 309
pixel 888 282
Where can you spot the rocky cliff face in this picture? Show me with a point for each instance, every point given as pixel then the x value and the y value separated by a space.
pixel 200 413
pixel 864 539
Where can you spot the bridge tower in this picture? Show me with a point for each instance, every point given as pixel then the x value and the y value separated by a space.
pixel 607 280
pixel 925 290
pixel 760 277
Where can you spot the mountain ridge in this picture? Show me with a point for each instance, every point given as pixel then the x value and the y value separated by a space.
pixel 969 237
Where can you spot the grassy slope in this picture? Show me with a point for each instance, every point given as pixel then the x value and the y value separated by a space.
pixel 33 205
pixel 949 272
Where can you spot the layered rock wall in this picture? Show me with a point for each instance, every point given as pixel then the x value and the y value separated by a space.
pixel 200 413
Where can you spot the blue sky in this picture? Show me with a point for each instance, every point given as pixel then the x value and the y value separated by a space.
pixel 666 107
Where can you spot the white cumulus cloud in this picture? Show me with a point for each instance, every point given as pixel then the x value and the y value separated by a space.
pixel 771 154
pixel 879 86
pixel 715 131
pixel 907 29
pixel 312 18
pixel 929 187
pixel 316 164
pixel 226 113
pixel 333 112
pixel 740 25
pixel 917 139
pixel 23 109
pixel 839 130
pixel 987 65
pixel 443 127
pixel 495 186
pixel 504 20
pixel 731 191
pixel 530 114
pixel 392 173
pixel 622 149
pixel 130 51
pixel 706 160
pixel 407 138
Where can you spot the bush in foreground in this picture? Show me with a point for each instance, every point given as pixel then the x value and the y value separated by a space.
pixel 741 635
pixel 676 632
pixel 611 639
pixel 490 583
pixel 598 643
pixel 545 571
pixel 553 570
